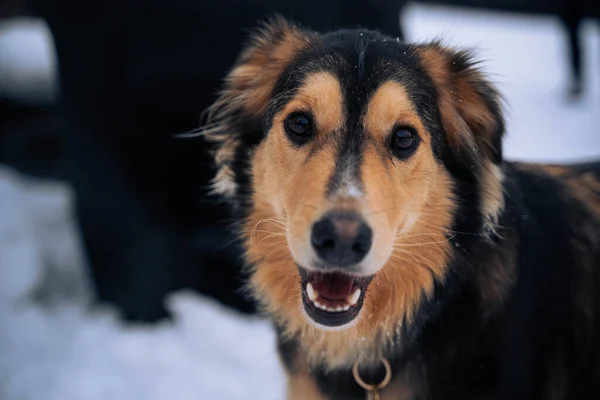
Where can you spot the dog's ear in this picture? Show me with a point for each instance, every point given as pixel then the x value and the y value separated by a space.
pixel 246 92
pixel 469 105
pixel 472 119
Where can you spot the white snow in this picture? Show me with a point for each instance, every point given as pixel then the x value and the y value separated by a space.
pixel 28 65
pixel 54 346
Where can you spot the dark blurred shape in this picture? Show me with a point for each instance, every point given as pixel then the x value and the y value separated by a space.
pixel 571 15
pixel 13 8
pixel 31 139
pixel 133 74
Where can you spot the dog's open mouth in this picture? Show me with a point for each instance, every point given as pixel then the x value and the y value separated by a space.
pixel 333 298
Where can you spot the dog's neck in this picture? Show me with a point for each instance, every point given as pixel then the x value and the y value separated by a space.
pixel 339 382
pixel 404 349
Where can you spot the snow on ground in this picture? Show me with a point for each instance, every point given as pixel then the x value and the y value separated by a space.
pixel 53 346
pixel 27 61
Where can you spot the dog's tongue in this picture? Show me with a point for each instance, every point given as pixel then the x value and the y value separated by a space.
pixel 332 286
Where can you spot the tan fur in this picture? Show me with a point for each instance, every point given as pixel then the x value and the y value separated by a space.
pixel 463 108
pixel 252 81
pixel 290 195
pixel 321 92
pixel 390 106
pixel 247 90
pixel 437 62
pixel 469 123
pixel 492 201
pixel 301 386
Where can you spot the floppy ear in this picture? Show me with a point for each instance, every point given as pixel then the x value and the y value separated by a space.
pixel 469 105
pixel 245 95
pixel 472 119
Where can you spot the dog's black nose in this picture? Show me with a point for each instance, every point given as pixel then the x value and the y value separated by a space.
pixel 341 239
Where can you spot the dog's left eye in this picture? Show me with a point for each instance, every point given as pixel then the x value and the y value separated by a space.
pixel 403 141
pixel 299 128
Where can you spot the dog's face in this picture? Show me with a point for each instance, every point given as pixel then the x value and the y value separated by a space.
pixel 353 158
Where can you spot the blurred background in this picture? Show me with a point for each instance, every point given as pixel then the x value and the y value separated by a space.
pixel 119 278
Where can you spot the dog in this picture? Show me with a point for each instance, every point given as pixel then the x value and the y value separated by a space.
pixel 397 253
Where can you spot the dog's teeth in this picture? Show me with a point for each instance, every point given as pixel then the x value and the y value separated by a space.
pixel 331 309
pixel 353 298
pixel 312 294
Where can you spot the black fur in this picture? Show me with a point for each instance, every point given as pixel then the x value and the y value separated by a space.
pixel 543 337
pixel 464 354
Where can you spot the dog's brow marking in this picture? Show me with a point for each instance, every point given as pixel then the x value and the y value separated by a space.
pixel 353 190
pixel 346 179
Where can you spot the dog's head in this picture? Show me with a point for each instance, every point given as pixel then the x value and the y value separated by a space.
pixel 354 159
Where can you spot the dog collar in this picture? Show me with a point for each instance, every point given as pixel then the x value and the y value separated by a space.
pixel 372 391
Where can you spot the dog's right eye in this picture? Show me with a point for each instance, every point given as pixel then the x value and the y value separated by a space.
pixel 299 128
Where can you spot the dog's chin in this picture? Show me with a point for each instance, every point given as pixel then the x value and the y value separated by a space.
pixel 333 300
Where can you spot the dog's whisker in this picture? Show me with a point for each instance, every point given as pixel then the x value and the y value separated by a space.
pixel 422 244
pixel 419 258
pixel 444 230
pixel 280 221
pixel 229 243
pixel 255 227
pixel 270 236
pixel 263 231
pixel 417 235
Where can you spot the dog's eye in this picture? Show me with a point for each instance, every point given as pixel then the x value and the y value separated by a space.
pixel 299 128
pixel 404 141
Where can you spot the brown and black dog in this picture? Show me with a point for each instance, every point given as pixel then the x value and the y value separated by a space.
pixel 382 223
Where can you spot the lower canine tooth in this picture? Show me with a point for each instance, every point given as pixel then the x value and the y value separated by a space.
pixel 310 291
pixel 353 298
